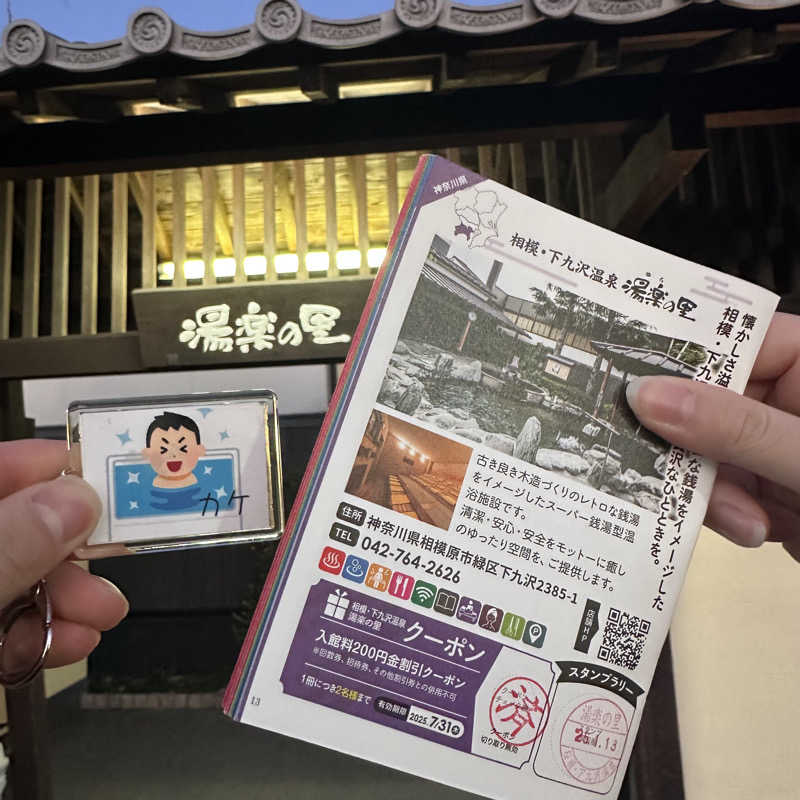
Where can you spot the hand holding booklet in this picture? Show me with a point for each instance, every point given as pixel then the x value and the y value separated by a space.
pixel 486 551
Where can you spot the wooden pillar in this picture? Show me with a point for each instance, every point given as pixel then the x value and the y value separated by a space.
pixel 331 218
pixel 552 186
pixel 519 171
pixel 209 179
pixel 239 231
pixel 179 226
pixel 391 187
pixel 60 281
pixel 6 249
pixel 149 218
pixel 269 220
pixel 30 775
pixel 32 257
pixel 300 217
pixel 359 180
pixel 91 234
pixel 655 771
pixel 119 253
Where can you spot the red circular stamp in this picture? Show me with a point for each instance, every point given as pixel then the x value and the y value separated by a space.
pixel 519 711
pixel 593 741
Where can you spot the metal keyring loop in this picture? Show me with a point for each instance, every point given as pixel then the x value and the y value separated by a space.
pixel 37 599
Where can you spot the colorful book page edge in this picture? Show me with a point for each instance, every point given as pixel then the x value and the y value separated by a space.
pixel 239 685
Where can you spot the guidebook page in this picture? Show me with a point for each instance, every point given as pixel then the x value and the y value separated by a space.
pixel 481 570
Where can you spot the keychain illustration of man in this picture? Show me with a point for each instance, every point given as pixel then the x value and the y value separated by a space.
pixel 173 450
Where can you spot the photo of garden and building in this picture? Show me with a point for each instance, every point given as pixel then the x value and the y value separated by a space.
pixel 538 377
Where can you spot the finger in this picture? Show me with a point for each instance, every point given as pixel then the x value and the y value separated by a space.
pixel 79 596
pixel 735 514
pixel 721 425
pixel 40 527
pixel 71 642
pixel 778 361
pixel 28 461
pixel 780 350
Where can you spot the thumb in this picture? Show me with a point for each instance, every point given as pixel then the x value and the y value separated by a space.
pixel 40 526
pixel 721 425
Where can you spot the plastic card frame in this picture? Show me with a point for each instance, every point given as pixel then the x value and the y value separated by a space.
pixel 181 471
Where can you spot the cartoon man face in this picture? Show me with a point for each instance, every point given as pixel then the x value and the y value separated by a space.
pixel 173 450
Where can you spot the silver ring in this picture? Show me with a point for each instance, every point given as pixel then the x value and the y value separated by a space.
pixel 37 600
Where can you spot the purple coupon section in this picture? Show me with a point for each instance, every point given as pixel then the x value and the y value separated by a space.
pixel 389 665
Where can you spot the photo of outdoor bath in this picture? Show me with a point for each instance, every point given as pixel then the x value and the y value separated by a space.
pixel 409 469
pixel 532 371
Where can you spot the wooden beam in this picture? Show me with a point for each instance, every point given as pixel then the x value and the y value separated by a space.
pixel 46 357
pixel 617 104
pixel 6 252
pixel 239 220
pixel 191 95
pixel 163 244
pixel 208 176
pixel 331 220
pixel 752 119
pixel 59 304
pixel 119 253
pixel 453 154
pixel 652 170
pixel 32 257
pixel 453 71
pixel 519 169
pixel 45 105
pixel 268 177
pixel 585 61
pixel 301 220
pixel 179 225
pixel 733 49
pixel 147 182
pixel 315 83
pixel 89 258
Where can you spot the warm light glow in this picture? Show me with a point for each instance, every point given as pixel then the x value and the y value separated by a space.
pixel 375 256
pixel 194 268
pixel 348 259
pixel 269 97
pixel 144 108
pixel 166 271
pixel 377 88
pixel 224 267
pixel 424 457
pixel 255 265
pixel 317 261
pixel 286 263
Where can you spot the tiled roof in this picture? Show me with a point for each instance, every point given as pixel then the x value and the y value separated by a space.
pixel 151 31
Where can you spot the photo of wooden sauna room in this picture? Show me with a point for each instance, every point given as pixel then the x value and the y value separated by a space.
pixel 409 470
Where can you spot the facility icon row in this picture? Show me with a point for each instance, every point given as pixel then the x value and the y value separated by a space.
pixel 427 595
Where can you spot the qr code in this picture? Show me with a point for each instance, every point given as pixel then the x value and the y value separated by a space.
pixel 624 637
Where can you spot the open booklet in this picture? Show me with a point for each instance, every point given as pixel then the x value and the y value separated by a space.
pixel 482 563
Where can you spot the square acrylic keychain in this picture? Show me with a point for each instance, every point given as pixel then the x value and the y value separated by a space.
pixel 176 472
